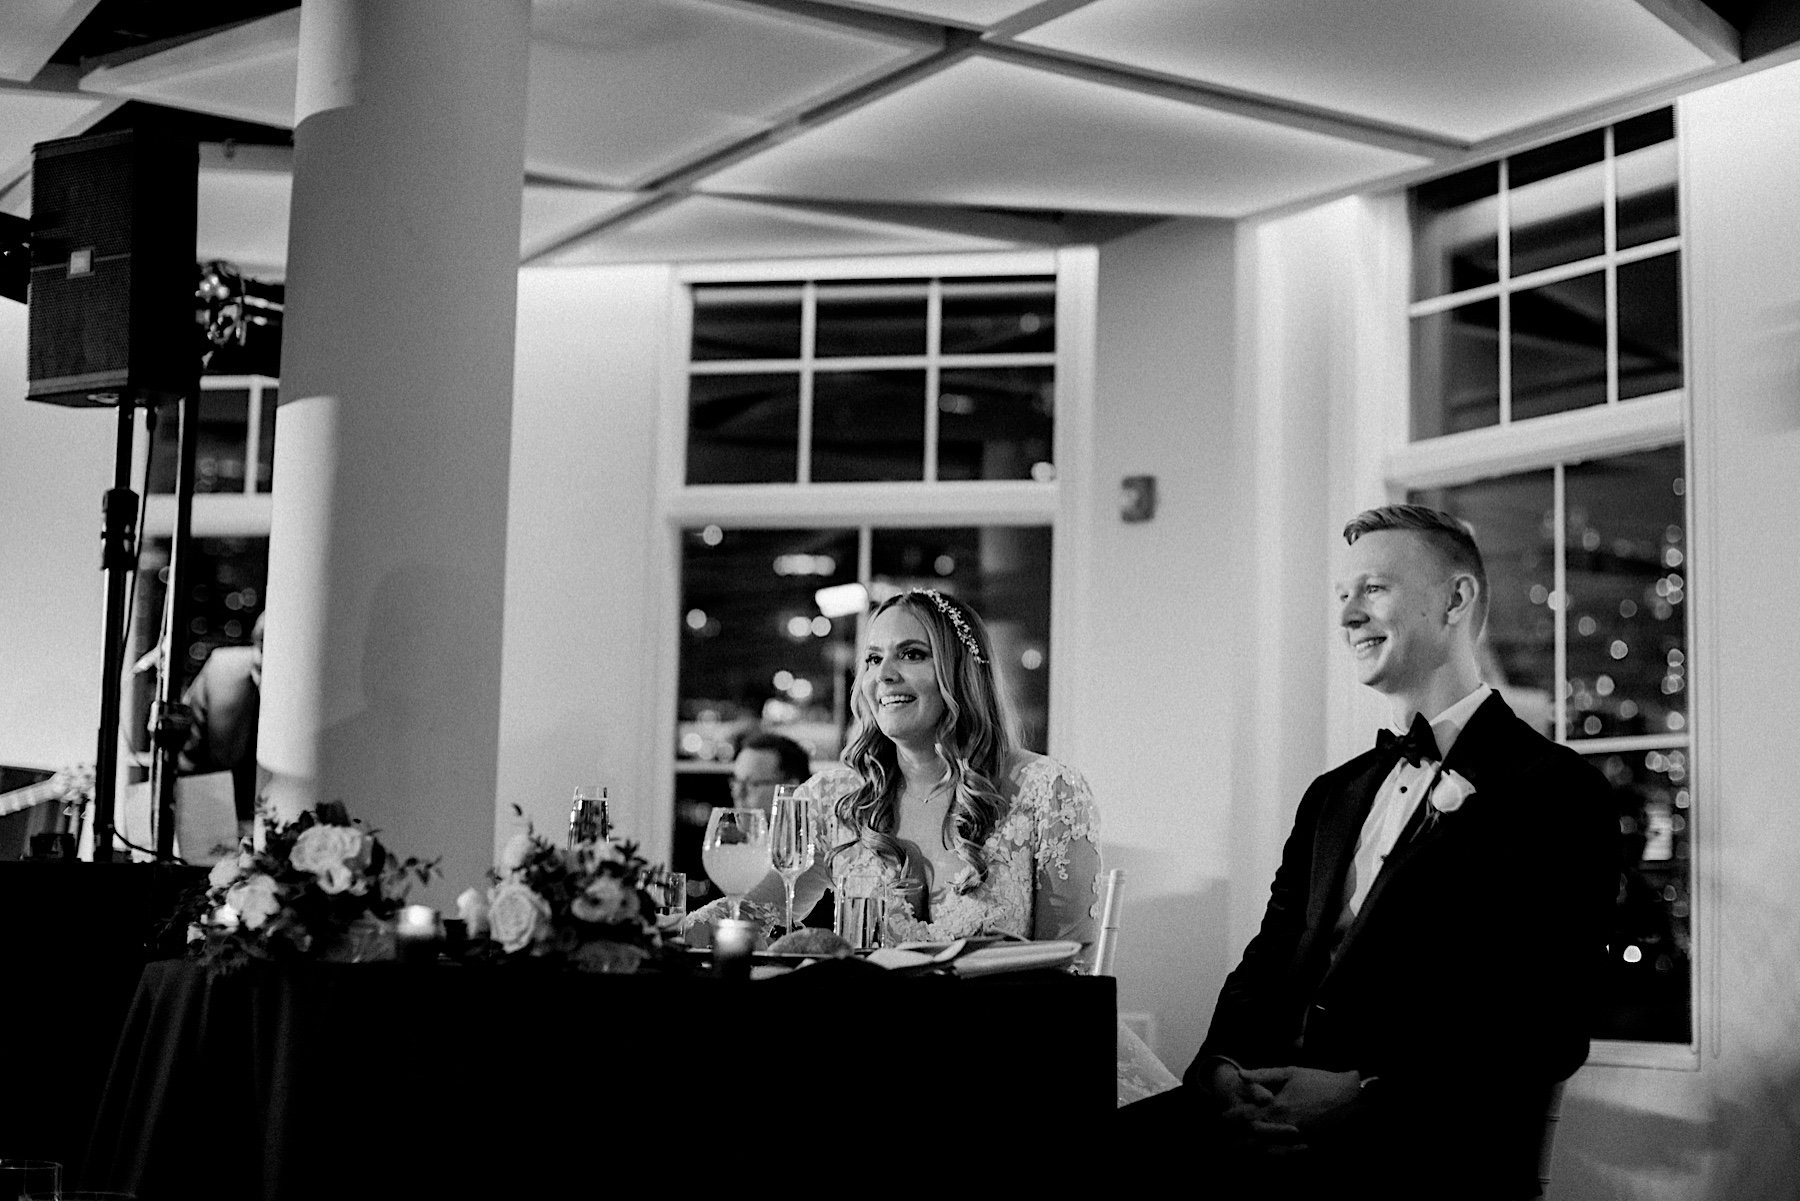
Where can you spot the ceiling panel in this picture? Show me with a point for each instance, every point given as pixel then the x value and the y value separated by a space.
pixel 998 134
pixel 1468 69
pixel 247 72
pixel 714 228
pixel 622 90
pixel 27 118
pixel 34 30
pixel 550 214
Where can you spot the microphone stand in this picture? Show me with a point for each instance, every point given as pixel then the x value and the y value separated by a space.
pixel 170 719
pixel 118 539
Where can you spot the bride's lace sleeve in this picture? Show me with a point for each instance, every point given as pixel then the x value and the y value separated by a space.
pixel 1066 853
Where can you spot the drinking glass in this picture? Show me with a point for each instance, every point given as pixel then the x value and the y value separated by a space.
pixel 735 852
pixel 29 1178
pixel 671 892
pixel 793 844
pixel 860 916
pixel 588 818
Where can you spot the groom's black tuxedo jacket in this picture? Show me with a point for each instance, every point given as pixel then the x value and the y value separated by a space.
pixel 1466 983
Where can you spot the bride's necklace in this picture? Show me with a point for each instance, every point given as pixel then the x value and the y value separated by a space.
pixel 922 798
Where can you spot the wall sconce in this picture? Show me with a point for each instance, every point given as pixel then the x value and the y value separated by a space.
pixel 1137 498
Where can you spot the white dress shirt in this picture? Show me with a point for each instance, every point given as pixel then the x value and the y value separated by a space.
pixel 1400 794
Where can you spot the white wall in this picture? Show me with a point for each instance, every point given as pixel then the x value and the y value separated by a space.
pixel 1731 1130
pixel 579 684
pixel 1165 613
pixel 54 465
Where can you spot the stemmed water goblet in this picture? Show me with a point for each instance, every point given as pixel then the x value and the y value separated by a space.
pixel 735 852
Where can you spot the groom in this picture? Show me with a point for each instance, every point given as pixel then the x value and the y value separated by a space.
pixel 1426 967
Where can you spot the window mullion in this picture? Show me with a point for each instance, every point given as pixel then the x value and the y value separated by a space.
pixel 809 329
pixel 1610 223
pixel 1560 612
pixel 934 312
pixel 1503 209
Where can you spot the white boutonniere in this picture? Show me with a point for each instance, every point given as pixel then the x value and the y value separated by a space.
pixel 1449 793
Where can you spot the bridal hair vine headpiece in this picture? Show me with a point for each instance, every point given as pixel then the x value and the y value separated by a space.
pixel 954 616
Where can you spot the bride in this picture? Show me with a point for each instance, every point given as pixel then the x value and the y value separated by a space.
pixel 969 832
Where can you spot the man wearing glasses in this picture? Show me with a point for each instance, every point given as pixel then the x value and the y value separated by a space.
pixel 763 761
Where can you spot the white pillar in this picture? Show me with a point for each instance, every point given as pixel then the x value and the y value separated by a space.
pixel 388 543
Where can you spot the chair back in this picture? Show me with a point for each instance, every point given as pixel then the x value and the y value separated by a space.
pixel 1547 1141
pixel 1108 942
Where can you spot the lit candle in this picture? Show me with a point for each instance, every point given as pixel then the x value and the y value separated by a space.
pixel 417 933
pixel 733 941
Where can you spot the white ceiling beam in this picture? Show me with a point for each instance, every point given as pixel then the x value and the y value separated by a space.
pixel 891 27
pixel 1701 27
pixel 1290 114
pixel 1038 14
pixel 1026 228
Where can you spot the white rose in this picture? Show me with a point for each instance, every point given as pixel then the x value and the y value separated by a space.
pixel 517 916
pixel 472 908
pixel 336 878
pixel 227 870
pixel 516 851
pixel 1451 790
pixel 254 900
pixel 332 853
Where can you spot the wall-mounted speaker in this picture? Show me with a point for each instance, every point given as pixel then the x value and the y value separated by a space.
pixel 112 268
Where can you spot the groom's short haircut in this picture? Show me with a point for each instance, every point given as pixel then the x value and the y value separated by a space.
pixel 1446 535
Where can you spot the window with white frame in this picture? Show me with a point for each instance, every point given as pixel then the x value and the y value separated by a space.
pixel 1547 409
pixel 848 435
pixel 872 380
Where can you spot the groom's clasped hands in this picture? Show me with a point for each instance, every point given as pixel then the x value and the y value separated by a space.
pixel 1270 1111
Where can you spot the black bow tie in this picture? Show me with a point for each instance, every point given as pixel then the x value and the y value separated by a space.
pixel 1414 746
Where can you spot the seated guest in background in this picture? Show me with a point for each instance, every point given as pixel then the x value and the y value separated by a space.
pixel 1426 967
pixel 763 761
pixel 972 833
pixel 226 701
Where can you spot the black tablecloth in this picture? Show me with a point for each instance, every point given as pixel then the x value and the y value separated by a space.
pixel 397 1080
pixel 73 939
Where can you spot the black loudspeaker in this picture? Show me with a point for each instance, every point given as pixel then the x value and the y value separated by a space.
pixel 112 268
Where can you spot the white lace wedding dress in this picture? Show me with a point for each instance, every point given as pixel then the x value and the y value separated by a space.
pixel 1043 882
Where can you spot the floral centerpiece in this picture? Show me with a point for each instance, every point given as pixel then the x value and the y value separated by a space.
pixel 322 887
pixel 588 905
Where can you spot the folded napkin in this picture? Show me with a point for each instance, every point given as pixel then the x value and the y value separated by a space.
pixel 1015 957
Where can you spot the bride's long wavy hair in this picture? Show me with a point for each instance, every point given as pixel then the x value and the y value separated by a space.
pixel 975 739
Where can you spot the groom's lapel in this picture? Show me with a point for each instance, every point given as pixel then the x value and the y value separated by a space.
pixel 1340 827
pixel 1479 757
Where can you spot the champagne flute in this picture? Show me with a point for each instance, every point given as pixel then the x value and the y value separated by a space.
pixel 735 852
pixel 792 842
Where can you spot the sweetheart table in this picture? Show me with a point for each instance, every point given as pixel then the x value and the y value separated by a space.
pixel 445 1080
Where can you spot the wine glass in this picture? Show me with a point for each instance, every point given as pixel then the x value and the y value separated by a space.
pixel 735 852
pixel 792 842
